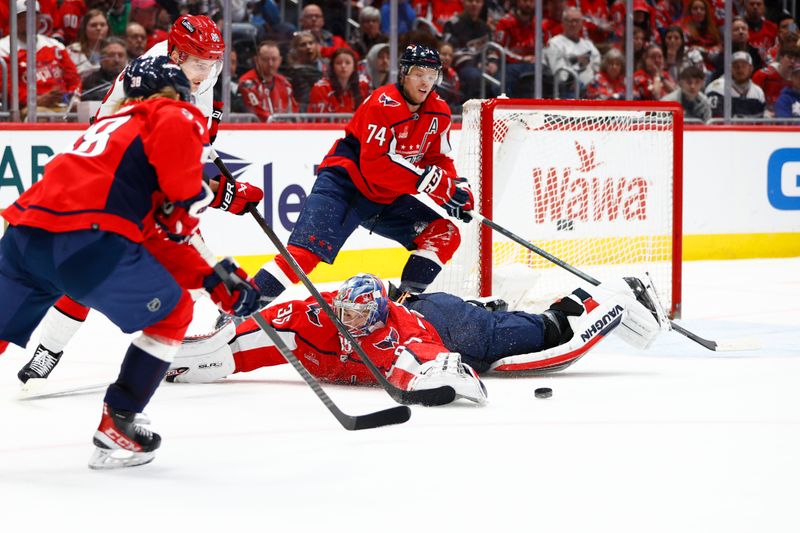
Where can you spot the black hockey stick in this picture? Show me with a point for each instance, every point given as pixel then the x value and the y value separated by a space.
pixel 428 397
pixel 393 415
pixel 717 346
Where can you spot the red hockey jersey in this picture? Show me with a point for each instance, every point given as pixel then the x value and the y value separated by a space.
pixel 387 147
pixel 48 19
pixel 263 100
pixel 108 180
pixel 327 355
pixel 323 98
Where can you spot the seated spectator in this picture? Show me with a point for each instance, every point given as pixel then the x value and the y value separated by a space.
pixel 443 10
pixel 237 102
pixel 135 40
pixel 740 42
pixel 690 94
pixel 644 17
pixel 747 98
pixel 405 17
pixel 701 30
pixel 71 13
pixel 304 66
pixel 369 32
pixel 788 103
pixel 609 83
pixel 145 12
pixel 571 51
pixel 597 22
pixel 774 77
pixel 313 21
pixel 652 82
pixel 85 52
pixel 267 19
pixel 515 32
pixel 449 87
pixel 113 59
pixel 57 78
pixel 667 13
pixel 677 55
pixel 762 31
pixel 552 13
pixel 787 34
pixel 264 91
pixel 48 18
pixel 376 66
pixel 343 89
pixel 468 34
pixel 119 14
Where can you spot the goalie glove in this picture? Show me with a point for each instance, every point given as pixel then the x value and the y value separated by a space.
pixel 235 196
pixel 178 220
pixel 453 194
pixel 239 296
pixel 447 369
pixel 644 317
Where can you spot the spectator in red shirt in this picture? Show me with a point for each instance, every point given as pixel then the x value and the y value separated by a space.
pixel 653 82
pixel 762 31
pixel 444 10
pixel 313 20
pixel 343 89
pixel 775 76
pixel 263 90
pixel 644 17
pixel 515 32
pixel 48 19
pixel 71 13
pixel 145 12
pixel 787 34
pixel 56 76
pixel 609 84
pixel 701 30
pixel 596 20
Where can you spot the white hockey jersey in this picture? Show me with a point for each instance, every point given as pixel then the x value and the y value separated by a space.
pixel 203 98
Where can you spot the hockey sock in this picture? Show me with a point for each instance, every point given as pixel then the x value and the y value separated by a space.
pixel 61 323
pixel 140 375
pixel 418 273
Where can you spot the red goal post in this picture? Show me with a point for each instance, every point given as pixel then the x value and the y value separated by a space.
pixel 598 184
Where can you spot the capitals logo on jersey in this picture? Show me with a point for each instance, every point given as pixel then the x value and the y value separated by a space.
pixel 390 341
pixel 313 315
pixel 388 101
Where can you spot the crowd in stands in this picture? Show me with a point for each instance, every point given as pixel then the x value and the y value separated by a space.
pixel 311 62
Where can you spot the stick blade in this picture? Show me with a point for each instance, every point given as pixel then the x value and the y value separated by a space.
pixel 427 397
pixel 738 345
pixel 387 417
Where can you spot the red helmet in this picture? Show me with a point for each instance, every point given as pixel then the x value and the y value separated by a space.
pixel 196 35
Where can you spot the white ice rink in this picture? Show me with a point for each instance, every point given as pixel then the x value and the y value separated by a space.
pixel 676 439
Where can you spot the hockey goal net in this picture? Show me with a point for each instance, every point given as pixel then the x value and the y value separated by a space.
pixel 596 184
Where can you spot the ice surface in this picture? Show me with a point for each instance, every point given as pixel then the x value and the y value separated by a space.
pixel 674 439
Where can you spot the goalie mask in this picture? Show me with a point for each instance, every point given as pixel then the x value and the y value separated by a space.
pixel 362 304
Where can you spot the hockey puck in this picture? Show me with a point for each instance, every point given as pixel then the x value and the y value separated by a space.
pixel 543 392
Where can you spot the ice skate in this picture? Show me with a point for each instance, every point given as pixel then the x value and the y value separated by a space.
pixel 36 371
pixel 121 440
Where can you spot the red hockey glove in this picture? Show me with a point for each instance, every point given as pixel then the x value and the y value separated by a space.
pixel 178 220
pixel 235 196
pixel 454 194
pixel 216 118
pixel 238 297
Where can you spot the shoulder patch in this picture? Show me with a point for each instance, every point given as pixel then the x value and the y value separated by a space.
pixel 388 101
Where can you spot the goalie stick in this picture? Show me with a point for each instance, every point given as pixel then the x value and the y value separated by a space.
pixel 393 415
pixel 716 346
pixel 428 397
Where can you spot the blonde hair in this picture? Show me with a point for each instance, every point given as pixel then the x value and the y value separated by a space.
pixel 164 92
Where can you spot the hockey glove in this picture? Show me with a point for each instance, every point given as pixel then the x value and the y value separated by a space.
pixel 236 196
pixel 239 297
pixel 178 220
pixel 447 369
pixel 216 118
pixel 454 194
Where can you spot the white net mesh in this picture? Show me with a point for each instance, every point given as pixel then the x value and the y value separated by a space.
pixel 593 186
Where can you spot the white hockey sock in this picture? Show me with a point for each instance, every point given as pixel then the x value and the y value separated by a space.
pixel 57 330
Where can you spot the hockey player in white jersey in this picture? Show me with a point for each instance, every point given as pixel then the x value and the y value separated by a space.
pixel 195 44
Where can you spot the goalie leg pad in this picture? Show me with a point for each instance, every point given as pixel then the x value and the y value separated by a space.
pixel 588 329
pixel 204 359
pixel 447 369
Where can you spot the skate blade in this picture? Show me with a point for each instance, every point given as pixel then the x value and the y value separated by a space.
pixel 105 459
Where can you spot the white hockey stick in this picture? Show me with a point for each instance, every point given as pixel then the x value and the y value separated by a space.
pixel 729 345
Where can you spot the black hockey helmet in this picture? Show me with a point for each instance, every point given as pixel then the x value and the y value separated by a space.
pixel 419 55
pixel 146 76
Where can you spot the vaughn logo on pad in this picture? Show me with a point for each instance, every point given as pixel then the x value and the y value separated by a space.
pixel 601 325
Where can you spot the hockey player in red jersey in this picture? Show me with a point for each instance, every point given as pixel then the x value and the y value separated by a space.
pixel 394 147
pixel 196 45
pixel 79 231
pixel 430 340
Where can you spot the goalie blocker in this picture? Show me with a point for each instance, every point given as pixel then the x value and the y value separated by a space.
pixel 569 329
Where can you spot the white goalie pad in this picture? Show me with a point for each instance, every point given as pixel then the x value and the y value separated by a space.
pixel 644 317
pixel 447 369
pixel 204 359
